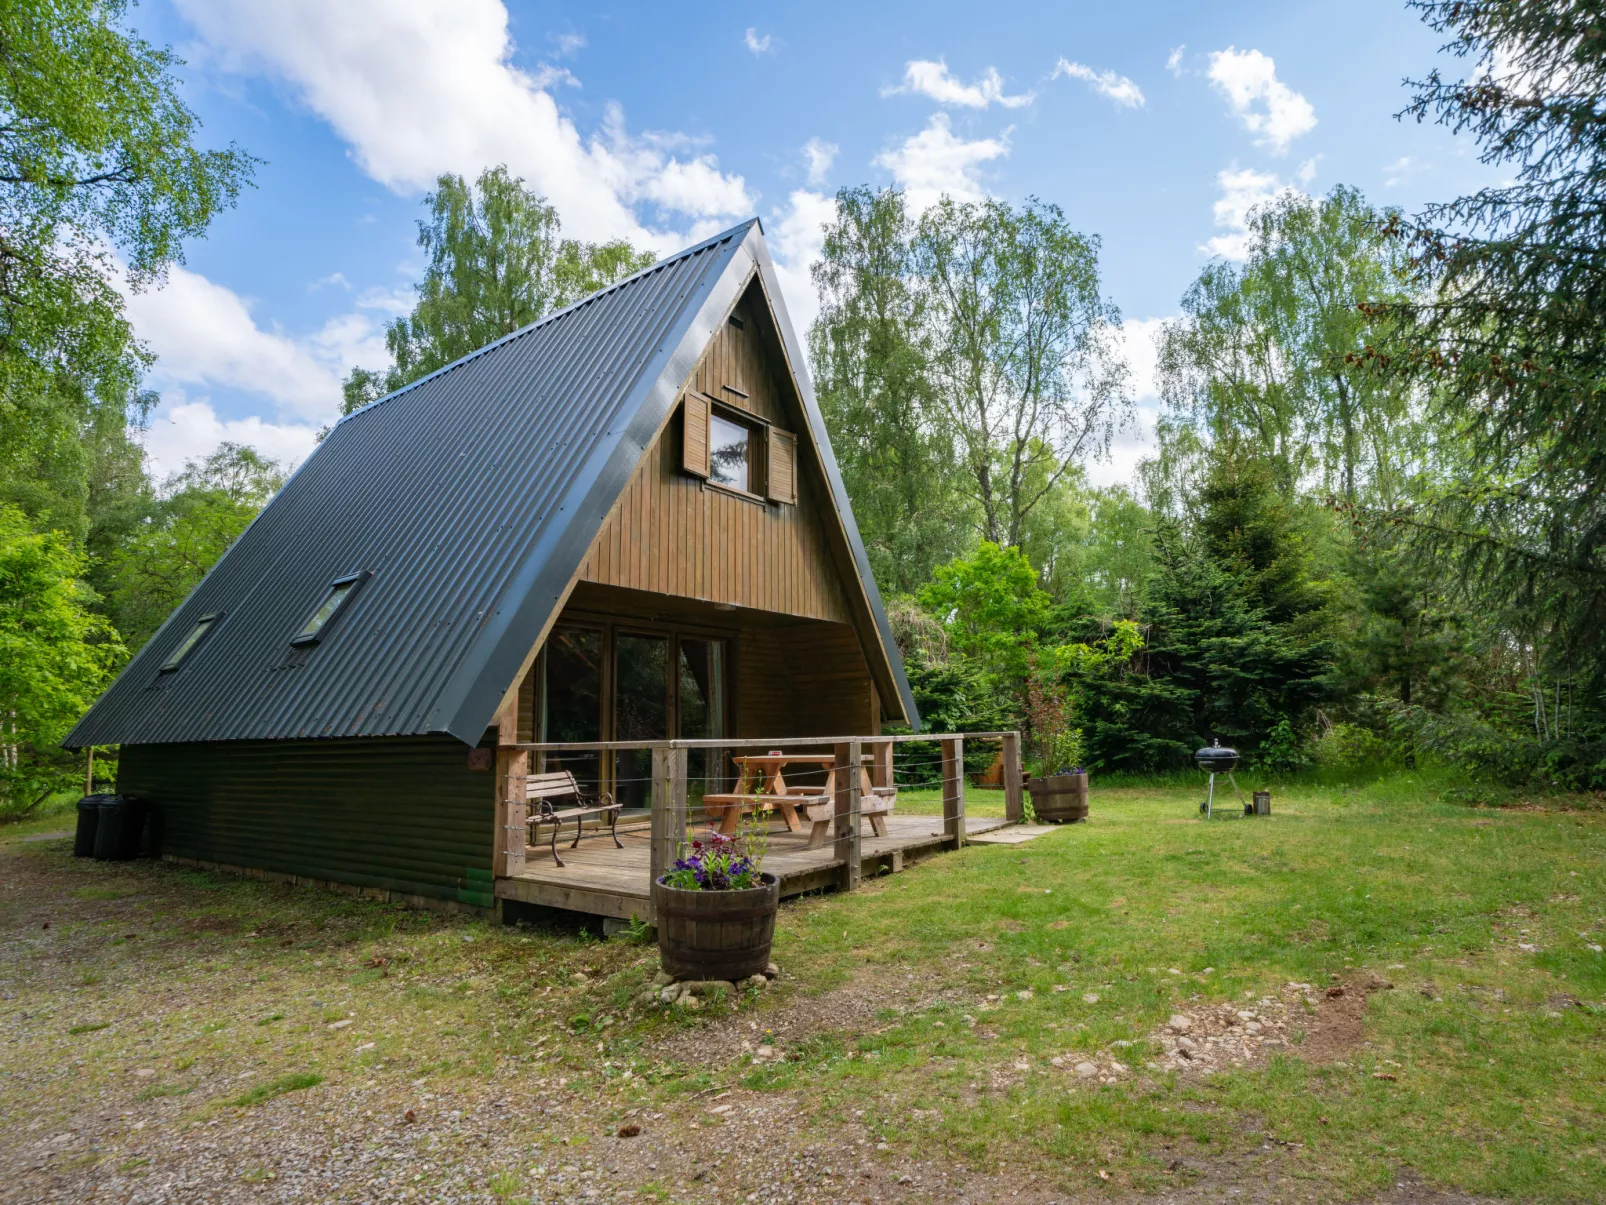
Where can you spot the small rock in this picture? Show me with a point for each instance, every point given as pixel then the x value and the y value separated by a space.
pixel 1086 1070
pixel 765 1052
pixel 756 981
pixel 1024 995
pixel 629 1130
pixel 144 1072
pixel 1091 997
pixel 772 971
pixel 906 1179
pixel 721 1110
pixel 662 979
pixel 1057 1061
pixel 1187 1043
pixel 1062 987
pixel 1333 993
pixel 340 1024
pixel 1179 1023
pixel 671 993
pixel 1591 946
pixel 709 987
pixel 649 997
pixel 1253 1027
pixel 410 1116
pixel 881 1146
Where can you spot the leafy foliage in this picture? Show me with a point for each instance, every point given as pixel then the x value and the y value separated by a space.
pixel 99 174
pixel 56 654
pixel 205 509
pixel 1507 322
pixel 497 262
pixel 872 375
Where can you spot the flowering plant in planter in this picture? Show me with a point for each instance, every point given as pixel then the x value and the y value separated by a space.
pixel 718 864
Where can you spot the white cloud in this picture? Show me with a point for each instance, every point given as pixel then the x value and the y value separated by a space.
pixel 567 44
pixel 204 336
pixel 796 236
pixel 420 87
pixel 1241 191
pixel 1132 443
pixel 926 78
pixel 1140 349
pixel 1173 61
pixel 936 161
pixel 1268 108
pixel 1118 88
pixel 755 43
pixel 1402 169
pixel 182 430
pixel 819 156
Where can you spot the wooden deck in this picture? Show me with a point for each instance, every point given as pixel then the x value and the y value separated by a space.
pixel 605 881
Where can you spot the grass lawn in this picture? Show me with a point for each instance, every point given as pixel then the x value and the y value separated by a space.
pixel 167 1027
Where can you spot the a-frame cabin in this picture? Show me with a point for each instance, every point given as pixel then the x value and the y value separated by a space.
pixel 623 522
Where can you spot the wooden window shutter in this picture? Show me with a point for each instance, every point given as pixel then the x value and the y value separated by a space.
pixel 782 457
pixel 694 444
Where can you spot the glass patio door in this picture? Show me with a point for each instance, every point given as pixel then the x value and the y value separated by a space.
pixel 570 701
pixel 701 691
pixel 640 711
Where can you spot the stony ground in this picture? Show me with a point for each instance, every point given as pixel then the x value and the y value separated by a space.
pixel 170 1036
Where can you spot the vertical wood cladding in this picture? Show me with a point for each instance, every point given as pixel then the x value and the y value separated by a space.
pixel 671 533
pixel 398 814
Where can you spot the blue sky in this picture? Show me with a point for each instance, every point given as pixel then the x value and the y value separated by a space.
pixel 1153 125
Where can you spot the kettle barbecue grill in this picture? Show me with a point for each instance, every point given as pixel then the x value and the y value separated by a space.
pixel 1215 758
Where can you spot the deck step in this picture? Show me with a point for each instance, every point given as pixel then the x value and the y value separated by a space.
pixel 1015 834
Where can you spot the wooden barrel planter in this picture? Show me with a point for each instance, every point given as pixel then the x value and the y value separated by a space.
pixel 1059 797
pixel 716 934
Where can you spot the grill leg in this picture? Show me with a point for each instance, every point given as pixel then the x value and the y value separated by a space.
pixel 1210 798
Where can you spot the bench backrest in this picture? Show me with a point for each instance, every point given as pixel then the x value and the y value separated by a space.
pixel 554 785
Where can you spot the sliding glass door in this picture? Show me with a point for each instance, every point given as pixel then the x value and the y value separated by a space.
pixel 627 684
pixel 640 711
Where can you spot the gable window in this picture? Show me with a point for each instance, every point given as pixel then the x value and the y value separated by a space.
pixel 191 642
pixel 340 593
pixel 730 453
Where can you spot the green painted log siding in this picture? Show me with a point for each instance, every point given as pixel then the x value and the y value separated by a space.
pixel 405 815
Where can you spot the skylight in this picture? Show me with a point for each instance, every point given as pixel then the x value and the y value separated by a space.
pixel 340 592
pixel 203 625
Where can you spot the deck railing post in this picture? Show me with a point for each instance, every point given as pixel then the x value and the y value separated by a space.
pixel 1014 811
pixel 668 813
pixel 881 768
pixel 849 768
pixel 953 792
pixel 512 800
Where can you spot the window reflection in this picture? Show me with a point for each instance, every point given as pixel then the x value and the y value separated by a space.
pixel 571 704
pixel 727 453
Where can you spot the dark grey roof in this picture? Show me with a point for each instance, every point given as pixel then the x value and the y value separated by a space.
pixel 472 494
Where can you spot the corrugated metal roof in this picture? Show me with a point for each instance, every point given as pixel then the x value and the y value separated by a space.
pixel 472 495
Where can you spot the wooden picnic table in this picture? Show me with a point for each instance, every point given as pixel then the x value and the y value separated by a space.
pixel 762 783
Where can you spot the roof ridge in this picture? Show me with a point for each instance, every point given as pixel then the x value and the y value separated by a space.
pixel 723 236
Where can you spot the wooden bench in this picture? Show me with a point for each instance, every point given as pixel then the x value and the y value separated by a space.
pixel 541 789
pixel 729 807
pixel 820 811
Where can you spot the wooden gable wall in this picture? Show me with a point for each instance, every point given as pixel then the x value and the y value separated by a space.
pixel 672 533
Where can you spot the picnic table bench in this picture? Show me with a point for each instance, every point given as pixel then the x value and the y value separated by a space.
pixel 541 789
pixel 762 784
